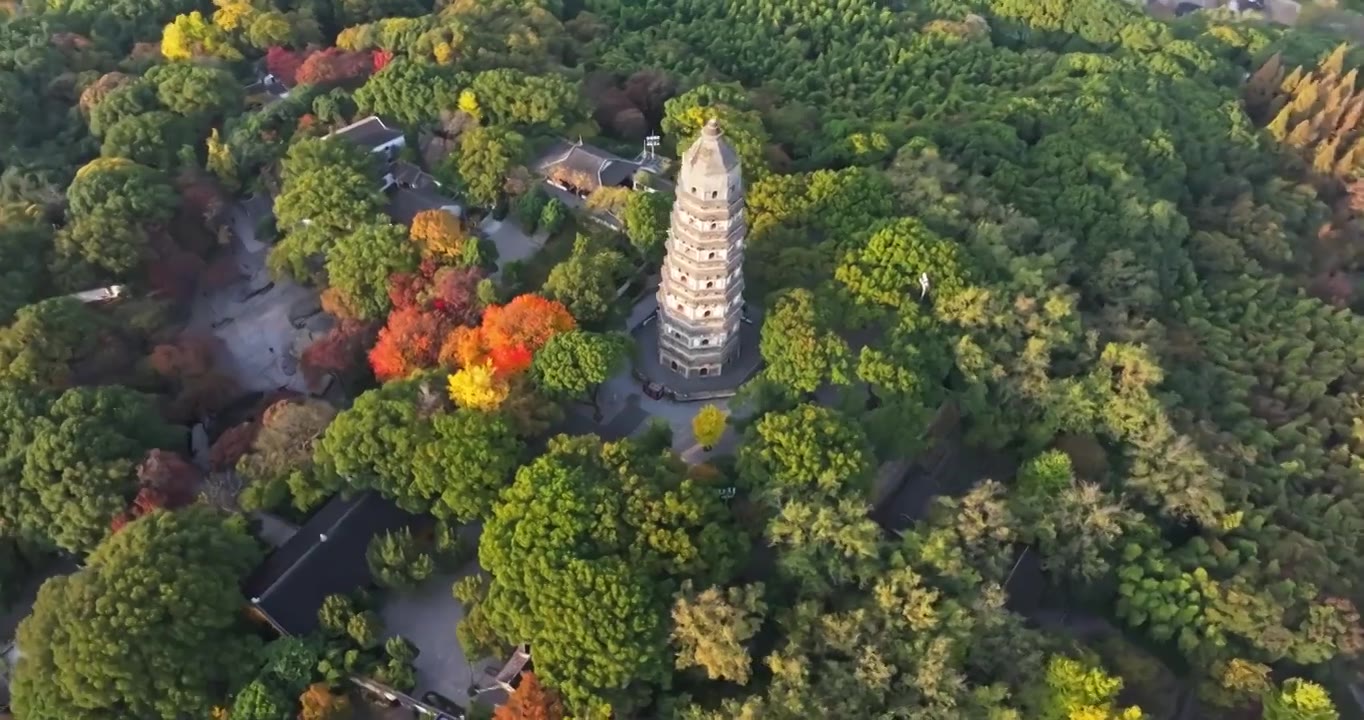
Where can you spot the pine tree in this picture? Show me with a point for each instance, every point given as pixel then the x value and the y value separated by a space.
pixel 1261 87
pixel 1301 135
pixel 1351 160
pixel 1290 83
pixel 1324 158
pixel 1305 96
pixel 1278 127
pixel 1334 64
pixel 1354 112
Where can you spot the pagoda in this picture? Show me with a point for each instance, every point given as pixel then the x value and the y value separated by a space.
pixel 700 294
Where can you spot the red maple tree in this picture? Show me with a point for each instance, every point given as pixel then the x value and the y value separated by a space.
pixel 510 360
pixel 340 352
pixel 232 445
pixel 410 341
pixel 429 305
pixel 527 321
pixel 453 292
pixel 531 701
pixel 335 66
pixel 284 63
pixel 194 384
pixel 167 481
pixel 381 59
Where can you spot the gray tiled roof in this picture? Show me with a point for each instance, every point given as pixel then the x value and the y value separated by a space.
pixel 594 162
pixel 369 133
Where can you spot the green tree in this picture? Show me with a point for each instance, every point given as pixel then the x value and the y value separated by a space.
pixel 808 452
pixel 81 464
pixel 574 364
pixel 202 92
pixel 373 440
pixel 327 183
pixel 335 613
pixel 104 241
pixel 646 222
pixel 162 593
pixel 586 282
pixel 885 273
pixel 128 100
pixel 537 103
pixel 404 440
pixel 260 700
pixel 24 250
pixel 634 522
pixel 397 561
pixel 467 461
pixel 553 215
pixel 360 264
pixel 46 339
pixel 712 627
pixel 800 346
pixel 486 155
pixel 528 206
pixel 709 425
pixel 292 662
pixel 153 138
pixel 411 92
pixel 365 628
pixel 122 188
pixel 21 514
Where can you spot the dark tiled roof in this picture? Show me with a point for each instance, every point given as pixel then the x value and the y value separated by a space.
pixel 405 203
pixel 587 159
pixel 326 556
pixel 409 175
pixel 369 133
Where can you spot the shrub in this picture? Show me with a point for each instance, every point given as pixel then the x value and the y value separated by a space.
pixel 396 561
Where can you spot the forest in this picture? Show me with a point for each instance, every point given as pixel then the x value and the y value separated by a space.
pixel 1142 252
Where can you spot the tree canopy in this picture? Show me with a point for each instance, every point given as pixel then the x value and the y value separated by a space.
pixel 588 594
pixel 151 627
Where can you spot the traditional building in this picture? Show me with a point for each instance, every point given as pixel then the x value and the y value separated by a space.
pixel 700 295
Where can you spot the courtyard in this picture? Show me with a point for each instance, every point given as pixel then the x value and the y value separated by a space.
pixel 259 320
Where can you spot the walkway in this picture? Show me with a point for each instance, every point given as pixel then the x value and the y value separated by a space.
pixel 513 244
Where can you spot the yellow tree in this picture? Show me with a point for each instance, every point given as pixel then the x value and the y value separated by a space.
pixel 479 387
pixel 192 35
pixel 234 15
pixel 468 104
pixel 709 425
pixel 438 234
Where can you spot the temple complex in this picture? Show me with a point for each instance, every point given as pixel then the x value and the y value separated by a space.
pixel 700 294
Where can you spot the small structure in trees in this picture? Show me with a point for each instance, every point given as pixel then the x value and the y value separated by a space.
pixel 582 169
pixel 373 135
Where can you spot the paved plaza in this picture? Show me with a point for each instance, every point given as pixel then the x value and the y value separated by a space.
pixel 258 320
